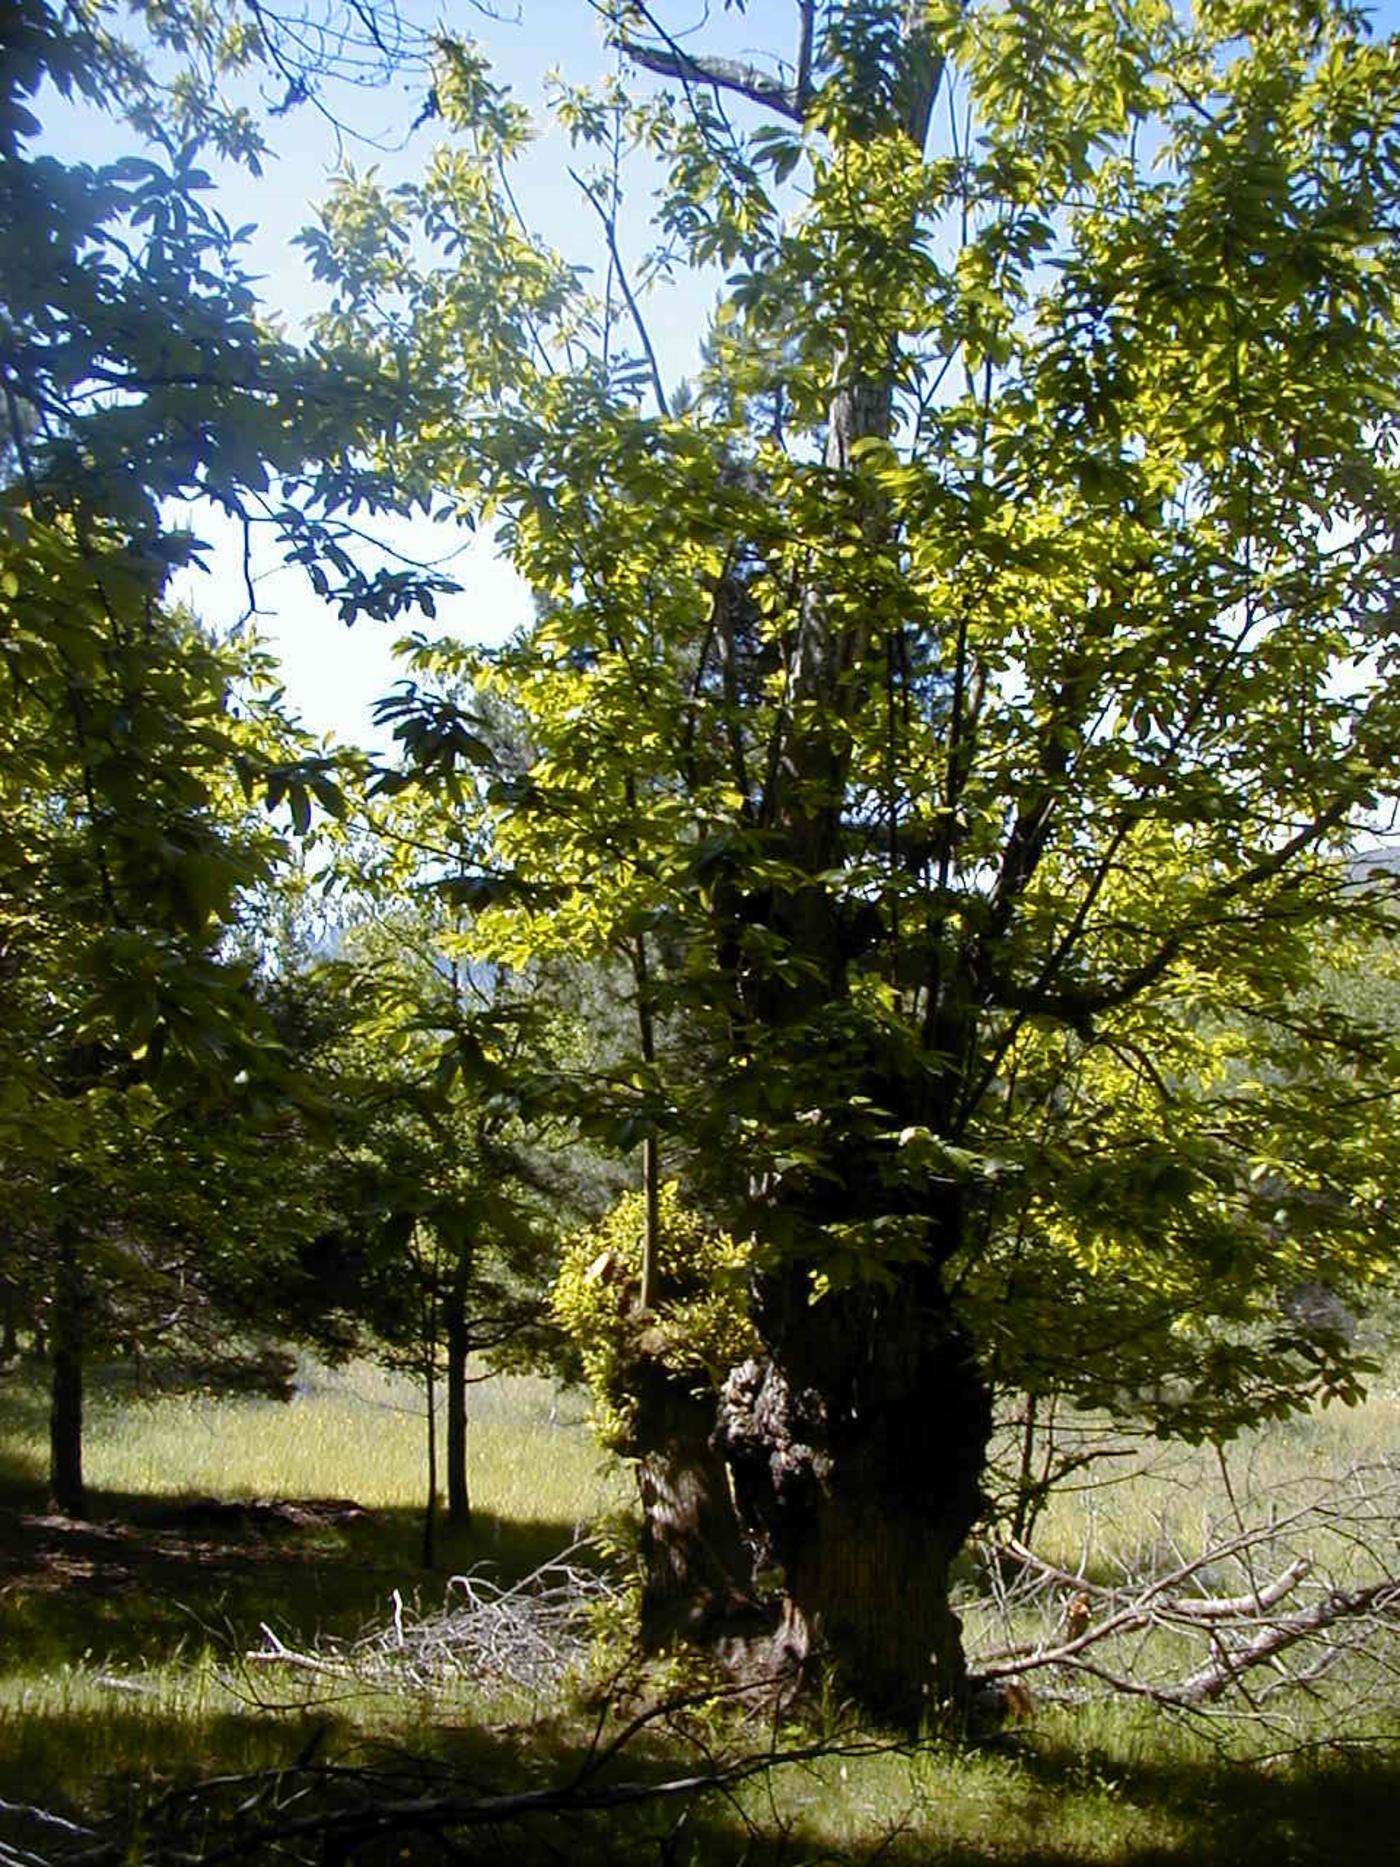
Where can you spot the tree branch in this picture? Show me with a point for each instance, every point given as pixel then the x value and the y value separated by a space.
pixel 1084 1623
pixel 806 33
pixel 658 388
pixel 722 74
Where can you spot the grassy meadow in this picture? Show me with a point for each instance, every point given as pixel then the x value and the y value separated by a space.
pixel 124 1669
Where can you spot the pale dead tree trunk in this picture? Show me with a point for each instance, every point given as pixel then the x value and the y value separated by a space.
pixel 856 1441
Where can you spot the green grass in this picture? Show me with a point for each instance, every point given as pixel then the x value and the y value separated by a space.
pixel 1177 1496
pixel 122 1672
pixel 359 1434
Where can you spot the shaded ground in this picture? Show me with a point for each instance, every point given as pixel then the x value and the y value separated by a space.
pixel 161 1542
pixel 1338 1814
pixel 90 1726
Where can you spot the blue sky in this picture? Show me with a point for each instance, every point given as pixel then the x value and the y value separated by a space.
pixel 333 675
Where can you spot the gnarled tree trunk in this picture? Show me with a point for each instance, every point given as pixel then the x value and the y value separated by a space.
pixel 857 1445
pixel 697 1567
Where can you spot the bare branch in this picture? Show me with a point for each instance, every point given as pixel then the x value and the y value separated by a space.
pixel 533 1633
pixel 1212 1681
pixel 1108 1636
pixel 722 74
pixel 658 387
pixel 1232 1607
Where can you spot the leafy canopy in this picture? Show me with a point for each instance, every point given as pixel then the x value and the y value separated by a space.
pixel 968 687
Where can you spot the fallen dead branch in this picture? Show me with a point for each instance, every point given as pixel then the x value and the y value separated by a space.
pixel 1380 1600
pixel 27 1818
pixel 1270 1607
pixel 315 1813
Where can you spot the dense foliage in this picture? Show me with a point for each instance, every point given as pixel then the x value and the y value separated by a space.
pixel 698 1333
pixel 141 1067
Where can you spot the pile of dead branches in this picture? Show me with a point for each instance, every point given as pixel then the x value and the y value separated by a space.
pixel 534 1633
pixel 1293 1595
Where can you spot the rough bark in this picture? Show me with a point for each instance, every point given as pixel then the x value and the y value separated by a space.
pixel 857 1445
pixel 67 1491
pixel 697 1567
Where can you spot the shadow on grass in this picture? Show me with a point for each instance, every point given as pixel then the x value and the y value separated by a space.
pixel 1333 1811
pixel 86 1761
pixel 1316 1808
pixel 149 1579
pixel 130 1776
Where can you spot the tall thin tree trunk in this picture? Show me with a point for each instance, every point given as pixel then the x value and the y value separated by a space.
pixel 9 1319
pixel 857 1441
pixel 651 1162
pixel 430 1506
pixel 459 1508
pixel 857 1438
pixel 66 1488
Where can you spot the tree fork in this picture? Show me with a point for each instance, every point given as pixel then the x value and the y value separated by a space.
pixel 857 1444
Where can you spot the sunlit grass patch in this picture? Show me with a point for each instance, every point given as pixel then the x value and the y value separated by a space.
pixel 1168 1499
pixel 356 1433
pixel 167 1568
